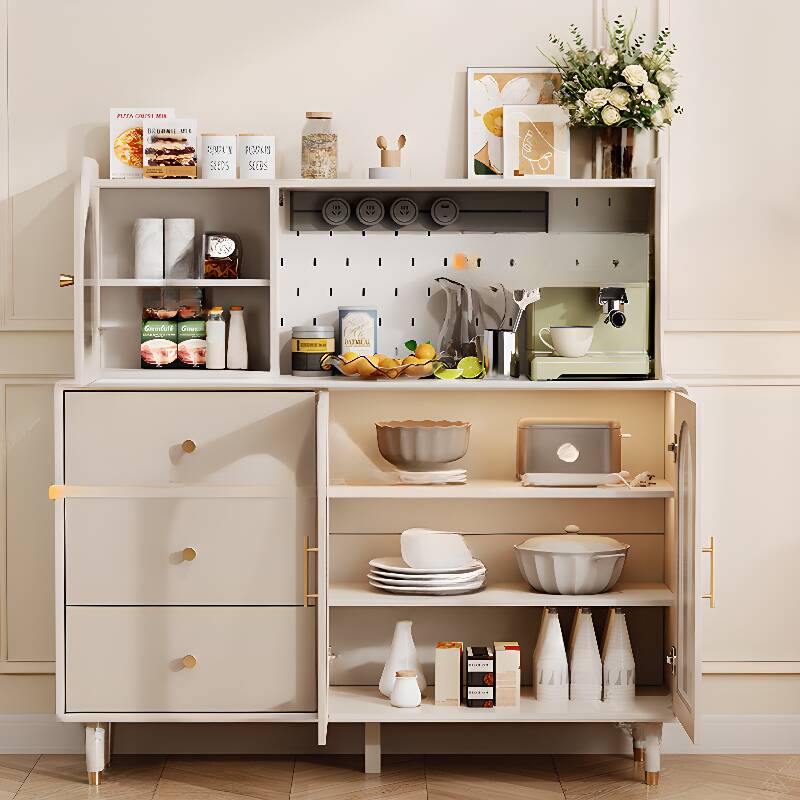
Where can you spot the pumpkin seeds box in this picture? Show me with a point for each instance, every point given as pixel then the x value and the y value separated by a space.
pixel 126 135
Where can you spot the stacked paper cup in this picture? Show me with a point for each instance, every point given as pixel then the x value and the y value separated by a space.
pixel 550 670
pixel 619 669
pixel 585 668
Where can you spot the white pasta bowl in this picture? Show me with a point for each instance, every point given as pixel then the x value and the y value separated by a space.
pixel 422 445
pixel 571 563
pixel 433 550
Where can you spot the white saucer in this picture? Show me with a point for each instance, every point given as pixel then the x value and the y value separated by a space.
pixel 571 479
pixel 463 588
pixel 415 580
pixel 395 564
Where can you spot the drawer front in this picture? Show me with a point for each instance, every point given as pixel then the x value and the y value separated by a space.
pixel 187 551
pixel 129 660
pixel 239 438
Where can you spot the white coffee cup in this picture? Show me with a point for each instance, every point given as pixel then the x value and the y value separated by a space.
pixel 569 341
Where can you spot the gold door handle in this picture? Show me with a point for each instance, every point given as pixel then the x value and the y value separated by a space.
pixel 189 553
pixel 65 280
pixel 710 595
pixel 189 661
pixel 306 595
pixel 188 445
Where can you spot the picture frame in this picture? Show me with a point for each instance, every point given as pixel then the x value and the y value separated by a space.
pixel 535 142
pixel 489 89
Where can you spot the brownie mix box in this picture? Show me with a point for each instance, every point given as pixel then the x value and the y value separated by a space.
pixel 170 149
pixel 126 136
pixel 480 677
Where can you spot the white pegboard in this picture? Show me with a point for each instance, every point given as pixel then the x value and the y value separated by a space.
pixel 319 271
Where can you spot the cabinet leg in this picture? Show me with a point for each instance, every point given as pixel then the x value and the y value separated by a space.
pixel 638 744
pixel 107 749
pixel 95 752
pixel 372 747
pixel 652 752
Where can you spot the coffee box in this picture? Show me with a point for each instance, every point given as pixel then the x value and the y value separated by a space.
pixel 192 343
pixel 480 677
pixel 447 665
pixel 159 347
pixel 126 137
pixel 506 673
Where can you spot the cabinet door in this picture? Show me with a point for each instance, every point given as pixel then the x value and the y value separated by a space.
pixel 682 562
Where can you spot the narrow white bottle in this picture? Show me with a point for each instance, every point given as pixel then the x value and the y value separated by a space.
pixel 215 339
pixel 550 669
pixel 237 339
pixel 585 669
pixel 619 669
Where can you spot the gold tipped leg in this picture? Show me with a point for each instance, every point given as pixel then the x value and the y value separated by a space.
pixel 652 778
pixel 638 755
pixel 94 778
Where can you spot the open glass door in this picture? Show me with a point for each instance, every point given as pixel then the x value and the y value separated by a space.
pixel 323 639
pixel 683 564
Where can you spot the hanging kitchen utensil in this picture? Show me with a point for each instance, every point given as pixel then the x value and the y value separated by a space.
pixel 524 298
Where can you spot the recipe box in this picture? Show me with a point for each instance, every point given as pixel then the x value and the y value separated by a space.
pixel 480 677
pixel 447 667
pixel 507 674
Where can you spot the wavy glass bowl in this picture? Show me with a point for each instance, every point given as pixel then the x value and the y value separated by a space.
pixel 365 368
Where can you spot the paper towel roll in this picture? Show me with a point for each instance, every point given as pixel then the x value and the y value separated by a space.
pixel 148 248
pixel 179 258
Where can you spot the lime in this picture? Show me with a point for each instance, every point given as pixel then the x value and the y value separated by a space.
pixel 448 374
pixel 471 367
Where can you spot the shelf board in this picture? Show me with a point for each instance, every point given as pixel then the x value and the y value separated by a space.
pixel 143 283
pixel 366 704
pixel 189 183
pixel 498 490
pixel 506 595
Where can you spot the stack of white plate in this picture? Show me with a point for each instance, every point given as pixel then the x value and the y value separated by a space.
pixel 392 574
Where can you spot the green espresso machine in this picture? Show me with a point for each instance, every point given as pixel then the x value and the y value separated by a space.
pixel 613 299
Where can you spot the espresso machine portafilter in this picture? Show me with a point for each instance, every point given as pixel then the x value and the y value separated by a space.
pixel 612 300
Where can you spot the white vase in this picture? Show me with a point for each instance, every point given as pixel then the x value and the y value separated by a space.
pixel 406 693
pixel 148 249
pixel 402 656
pixel 585 667
pixel 619 669
pixel 550 670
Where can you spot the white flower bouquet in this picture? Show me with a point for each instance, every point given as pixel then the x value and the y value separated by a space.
pixel 622 86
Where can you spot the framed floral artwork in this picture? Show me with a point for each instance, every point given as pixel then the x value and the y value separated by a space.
pixel 535 142
pixel 488 90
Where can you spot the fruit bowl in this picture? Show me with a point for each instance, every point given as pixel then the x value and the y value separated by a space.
pixel 369 368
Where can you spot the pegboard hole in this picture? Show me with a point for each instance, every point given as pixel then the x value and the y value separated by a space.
pixel 314 321
pixel 347 262
pixel 380 261
pixel 511 262
pixel 380 321
pixel 429 291
pixel 479 263
pixel 412 262
pixel 445 261
pixel 395 291
pixel 577 202
pixel 330 292
pixel 281 261
pixel 281 322
pixel 363 291
pixel 298 291
pixel 314 263
pixel 412 322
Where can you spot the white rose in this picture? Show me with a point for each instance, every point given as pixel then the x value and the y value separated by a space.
pixel 650 92
pixel 610 115
pixel 609 58
pixel 597 98
pixel 619 97
pixel 668 110
pixel 659 118
pixel 635 74
pixel 665 78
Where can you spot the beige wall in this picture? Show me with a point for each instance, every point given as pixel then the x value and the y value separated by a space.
pixel 382 68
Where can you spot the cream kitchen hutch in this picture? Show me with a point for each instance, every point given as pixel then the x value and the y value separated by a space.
pixel 213 529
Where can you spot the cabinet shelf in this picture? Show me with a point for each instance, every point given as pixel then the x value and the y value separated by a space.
pixel 146 283
pixel 366 704
pixel 507 595
pixel 498 490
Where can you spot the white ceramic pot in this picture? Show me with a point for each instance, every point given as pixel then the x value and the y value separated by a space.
pixel 570 563
pixel 405 692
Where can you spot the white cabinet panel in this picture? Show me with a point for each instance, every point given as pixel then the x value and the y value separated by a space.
pixel 29 522
pixel 245 659
pixel 748 476
pixel 239 438
pixel 187 551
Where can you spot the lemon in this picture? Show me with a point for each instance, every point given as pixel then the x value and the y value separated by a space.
pixel 471 368
pixel 448 374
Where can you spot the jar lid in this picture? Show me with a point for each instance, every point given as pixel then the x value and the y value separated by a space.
pixel 405 673
pixel 237 308
pixel 215 310
pixel 319 114
pixel 310 330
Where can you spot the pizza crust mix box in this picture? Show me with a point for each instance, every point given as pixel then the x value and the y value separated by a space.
pixel 126 134
pixel 170 149
pixel 447 681
pixel 506 673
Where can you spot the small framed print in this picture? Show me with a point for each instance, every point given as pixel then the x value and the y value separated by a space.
pixel 535 142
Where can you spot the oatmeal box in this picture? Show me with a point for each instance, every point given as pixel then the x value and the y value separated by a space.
pixel 126 133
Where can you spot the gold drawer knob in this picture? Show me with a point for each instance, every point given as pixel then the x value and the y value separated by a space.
pixel 188 446
pixel 189 661
pixel 189 554
pixel 65 280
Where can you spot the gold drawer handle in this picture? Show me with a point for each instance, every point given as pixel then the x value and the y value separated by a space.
pixel 710 595
pixel 64 280
pixel 189 553
pixel 189 661
pixel 306 595
pixel 188 446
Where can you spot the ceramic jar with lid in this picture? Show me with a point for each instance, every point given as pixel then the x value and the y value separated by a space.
pixel 310 344
pixel 319 146
pixel 405 692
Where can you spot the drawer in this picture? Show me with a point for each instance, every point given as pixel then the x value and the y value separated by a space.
pixel 130 551
pixel 123 659
pixel 240 438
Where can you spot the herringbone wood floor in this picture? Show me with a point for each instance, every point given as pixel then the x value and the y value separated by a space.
pixel 52 777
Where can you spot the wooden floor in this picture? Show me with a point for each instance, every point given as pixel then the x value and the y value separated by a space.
pixel 53 777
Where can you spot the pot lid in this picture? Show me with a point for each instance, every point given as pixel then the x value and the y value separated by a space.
pixel 585 544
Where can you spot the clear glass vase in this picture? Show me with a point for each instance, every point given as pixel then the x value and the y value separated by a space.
pixel 614 152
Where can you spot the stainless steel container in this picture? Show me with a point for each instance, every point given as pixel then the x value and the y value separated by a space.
pixel 568 445
pixel 499 354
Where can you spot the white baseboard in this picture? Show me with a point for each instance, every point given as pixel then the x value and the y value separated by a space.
pixel 756 734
